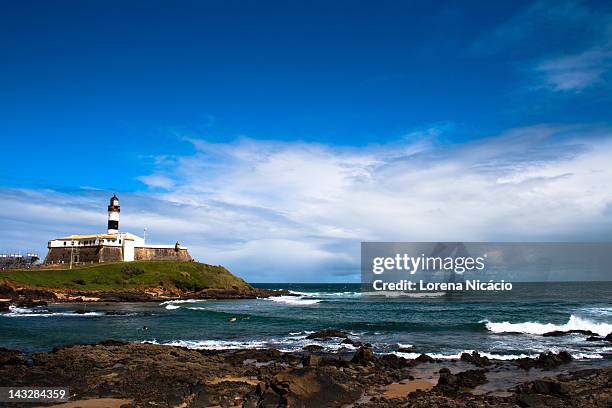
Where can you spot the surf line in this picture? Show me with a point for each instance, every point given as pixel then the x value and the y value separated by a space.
pixel 468 285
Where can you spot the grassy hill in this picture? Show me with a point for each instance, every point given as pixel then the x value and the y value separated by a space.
pixel 186 276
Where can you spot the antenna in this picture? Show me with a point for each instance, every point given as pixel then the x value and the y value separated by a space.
pixel 144 235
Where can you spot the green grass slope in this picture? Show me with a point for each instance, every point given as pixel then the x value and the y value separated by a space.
pixel 186 276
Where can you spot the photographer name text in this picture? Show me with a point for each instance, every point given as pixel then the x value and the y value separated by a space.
pixel 451 265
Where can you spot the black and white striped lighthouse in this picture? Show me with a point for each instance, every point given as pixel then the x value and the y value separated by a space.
pixel 113 215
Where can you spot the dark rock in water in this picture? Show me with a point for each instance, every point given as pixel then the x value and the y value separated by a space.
pixel 452 383
pixel 352 342
pixel 594 338
pixel 306 387
pixel 4 306
pixel 558 333
pixel 545 361
pixel 472 378
pixel 447 379
pixel 608 337
pixel 11 357
pixel 326 334
pixel 424 358
pixel 313 347
pixel 475 359
pixel 584 388
pixel 363 355
pixel 393 361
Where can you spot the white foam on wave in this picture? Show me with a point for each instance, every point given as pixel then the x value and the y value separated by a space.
pixel 175 304
pixel 456 356
pixel 294 300
pixel 404 345
pixel 574 323
pixel 305 332
pixel 213 344
pixel 291 343
pixel 339 295
pixel 597 311
pixel 25 312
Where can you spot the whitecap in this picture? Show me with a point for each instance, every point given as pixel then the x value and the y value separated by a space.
pixel 174 304
pixel 456 356
pixel 331 295
pixel 294 300
pixel 404 345
pixel 15 311
pixel 574 323
pixel 212 344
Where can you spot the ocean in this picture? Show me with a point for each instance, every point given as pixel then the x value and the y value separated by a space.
pixel 501 325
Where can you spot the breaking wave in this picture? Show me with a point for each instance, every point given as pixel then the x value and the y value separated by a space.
pixel 175 304
pixel 327 295
pixel 456 356
pixel 574 323
pixel 294 300
pixel 25 312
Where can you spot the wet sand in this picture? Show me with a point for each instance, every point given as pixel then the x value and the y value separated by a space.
pixel 403 388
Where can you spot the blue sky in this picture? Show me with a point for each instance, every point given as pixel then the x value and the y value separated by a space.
pixel 254 129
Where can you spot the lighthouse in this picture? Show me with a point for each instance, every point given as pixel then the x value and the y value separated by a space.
pixel 113 215
pixel 113 246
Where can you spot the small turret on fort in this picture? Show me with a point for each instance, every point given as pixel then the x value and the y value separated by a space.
pixel 113 215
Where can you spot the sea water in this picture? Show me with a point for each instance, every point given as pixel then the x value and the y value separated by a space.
pixel 500 325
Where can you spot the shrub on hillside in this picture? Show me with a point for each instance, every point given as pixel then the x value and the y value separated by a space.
pixel 129 271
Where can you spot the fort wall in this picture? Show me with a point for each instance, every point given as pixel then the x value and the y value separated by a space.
pixel 161 254
pixel 84 255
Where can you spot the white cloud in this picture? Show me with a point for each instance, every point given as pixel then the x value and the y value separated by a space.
pixel 576 72
pixel 157 181
pixel 276 211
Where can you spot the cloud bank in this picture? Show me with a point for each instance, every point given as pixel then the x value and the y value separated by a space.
pixel 290 211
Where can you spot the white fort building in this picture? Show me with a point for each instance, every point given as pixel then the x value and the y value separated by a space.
pixel 113 246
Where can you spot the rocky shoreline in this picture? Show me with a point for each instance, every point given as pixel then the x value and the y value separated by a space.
pixel 150 375
pixel 26 296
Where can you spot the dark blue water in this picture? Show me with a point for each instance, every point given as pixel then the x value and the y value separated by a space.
pixel 503 324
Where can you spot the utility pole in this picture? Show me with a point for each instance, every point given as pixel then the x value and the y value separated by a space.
pixel 144 235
